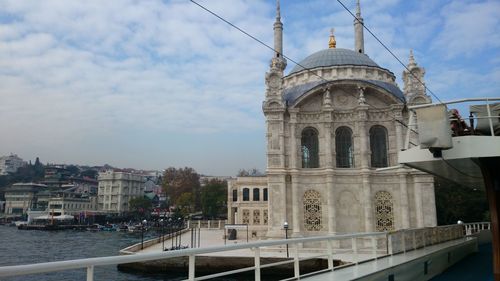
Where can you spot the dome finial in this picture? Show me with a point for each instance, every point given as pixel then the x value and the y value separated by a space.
pixel 332 43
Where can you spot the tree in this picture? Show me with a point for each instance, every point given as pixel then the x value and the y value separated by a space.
pixel 185 203
pixel 89 173
pixel 254 172
pixel 455 202
pixel 141 207
pixel 183 180
pixel 214 198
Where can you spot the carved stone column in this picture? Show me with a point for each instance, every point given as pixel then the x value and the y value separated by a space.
pixel 296 202
pixel 398 116
pixel 417 193
pixel 293 139
pixel 332 227
pixel 404 202
pixel 364 149
pixel 367 203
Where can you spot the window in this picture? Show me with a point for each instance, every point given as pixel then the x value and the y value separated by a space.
pixel 256 217
pixel 235 195
pixel 312 210
pixel 309 147
pixel 384 211
pixel 378 146
pixel 256 194
pixel 344 148
pixel 265 194
pixel 246 216
pixel 246 194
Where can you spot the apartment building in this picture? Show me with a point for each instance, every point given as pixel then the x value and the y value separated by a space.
pixel 116 188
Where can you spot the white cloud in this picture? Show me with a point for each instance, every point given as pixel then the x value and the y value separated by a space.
pixel 469 28
pixel 91 79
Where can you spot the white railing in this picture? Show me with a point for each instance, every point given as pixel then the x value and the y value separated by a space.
pixel 361 247
pixel 475 227
pixel 208 224
pixel 490 117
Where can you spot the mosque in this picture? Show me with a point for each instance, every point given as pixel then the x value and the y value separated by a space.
pixel 334 122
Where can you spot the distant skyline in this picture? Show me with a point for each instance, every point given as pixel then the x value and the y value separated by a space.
pixel 154 84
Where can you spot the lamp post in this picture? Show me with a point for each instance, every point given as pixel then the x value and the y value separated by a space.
pixel 171 230
pixel 142 233
pixel 180 231
pixel 285 226
pixel 162 237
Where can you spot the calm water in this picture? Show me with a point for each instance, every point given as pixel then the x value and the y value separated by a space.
pixel 34 246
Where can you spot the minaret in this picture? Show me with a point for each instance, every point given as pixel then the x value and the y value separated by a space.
pixel 274 108
pixel 278 59
pixel 414 85
pixel 359 41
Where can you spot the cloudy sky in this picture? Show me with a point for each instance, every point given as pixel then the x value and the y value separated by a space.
pixel 151 84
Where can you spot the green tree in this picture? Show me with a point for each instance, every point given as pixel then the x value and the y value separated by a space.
pixel 140 207
pixel 183 180
pixel 214 198
pixel 185 203
pixel 91 173
pixel 455 202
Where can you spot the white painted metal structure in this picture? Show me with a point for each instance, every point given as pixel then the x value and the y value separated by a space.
pixel 458 162
pixel 392 243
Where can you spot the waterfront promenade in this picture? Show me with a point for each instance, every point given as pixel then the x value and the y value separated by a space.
pixel 215 238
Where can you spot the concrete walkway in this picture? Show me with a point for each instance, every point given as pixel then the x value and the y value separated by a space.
pixel 215 237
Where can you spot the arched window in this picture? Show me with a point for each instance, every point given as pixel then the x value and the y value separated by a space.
pixel 384 214
pixel 344 148
pixel 312 210
pixel 256 194
pixel 246 194
pixel 235 195
pixel 309 146
pixel 265 194
pixel 378 146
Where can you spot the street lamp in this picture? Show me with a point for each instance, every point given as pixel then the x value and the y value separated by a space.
pixel 285 226
pixel 171 230
pixel 142 233
pixel 162 237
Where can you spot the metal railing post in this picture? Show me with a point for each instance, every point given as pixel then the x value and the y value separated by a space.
pixel 191 267
pixel 330 254
pixel 90 273
pixel 296 266
pixel 257 264
pixel 489 118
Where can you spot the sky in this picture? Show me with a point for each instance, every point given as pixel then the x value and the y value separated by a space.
pixel 153 84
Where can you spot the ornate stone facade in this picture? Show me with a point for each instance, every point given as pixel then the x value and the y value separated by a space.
pixel 332 122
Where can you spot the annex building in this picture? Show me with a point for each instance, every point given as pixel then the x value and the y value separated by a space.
pixel 332 122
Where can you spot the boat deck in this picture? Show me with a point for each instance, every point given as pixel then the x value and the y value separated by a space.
pixel 474 267
pixel 404 266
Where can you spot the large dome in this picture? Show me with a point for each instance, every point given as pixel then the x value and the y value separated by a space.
pixel 333 57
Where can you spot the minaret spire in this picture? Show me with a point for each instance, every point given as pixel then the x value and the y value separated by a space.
pixel 278 14
pixel 359 41
pixel 278 59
